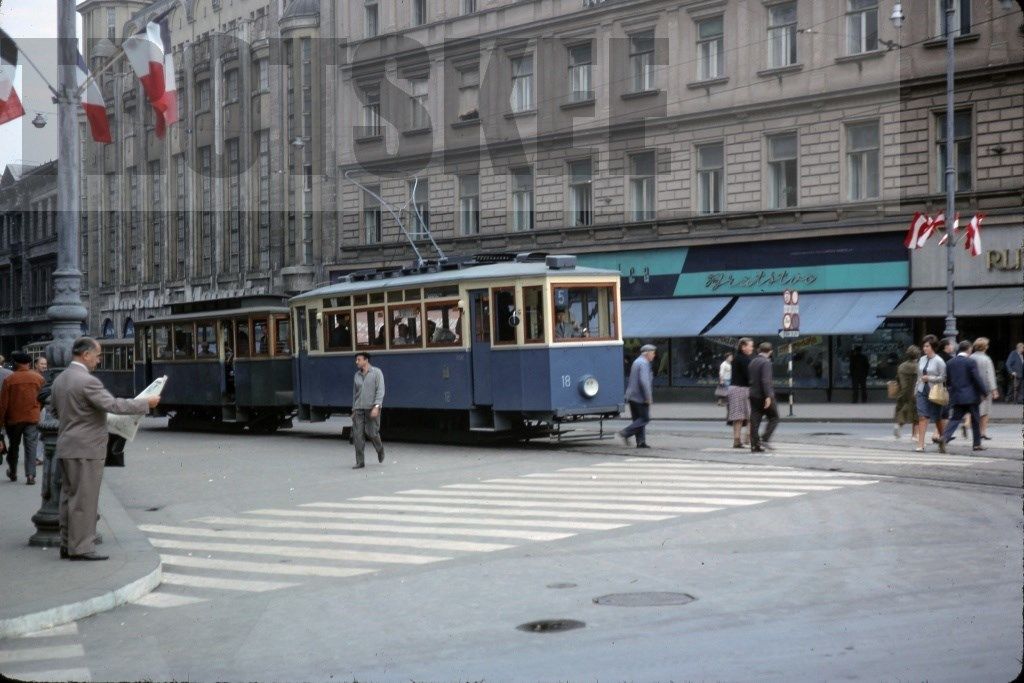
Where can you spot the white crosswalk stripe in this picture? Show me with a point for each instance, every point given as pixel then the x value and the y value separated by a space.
pixel 45 656
pixel 880 456
pixel 254 552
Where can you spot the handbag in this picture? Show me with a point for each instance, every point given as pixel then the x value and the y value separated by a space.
pixel 721 391
pixel 892 388
pixel 938 395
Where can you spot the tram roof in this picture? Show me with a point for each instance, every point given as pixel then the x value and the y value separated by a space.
pixel 210 315
pixel 495 271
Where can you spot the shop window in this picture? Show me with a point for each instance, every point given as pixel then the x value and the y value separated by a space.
pixel 338 331
pixel 533 314
pixel 444 324
pixel 503 304
pixel 405 326
pixel 371 329
pixel 184 342
pixel 206 340
pixel 260 337
pixel 585 313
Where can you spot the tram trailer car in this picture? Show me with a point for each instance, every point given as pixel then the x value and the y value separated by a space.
pixel 116 367
pixel 514 348
pixel 229 367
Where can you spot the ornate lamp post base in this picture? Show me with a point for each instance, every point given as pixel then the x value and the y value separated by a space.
pixel 47 519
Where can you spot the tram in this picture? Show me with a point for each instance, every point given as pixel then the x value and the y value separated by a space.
pixel 116 367
pixel 228 362
pixel 508 345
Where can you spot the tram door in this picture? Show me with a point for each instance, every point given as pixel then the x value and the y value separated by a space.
pixel 480 320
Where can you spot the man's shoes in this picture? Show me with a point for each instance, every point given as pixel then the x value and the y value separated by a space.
pixel 64 552
pixel 358 466
pixel 756 449
pixel 986 437
pixel 29 481
pixel 380 456
pixel 12 475
pixel 942 445
pixel 737 444
pixel 979 447
pixel 642 445
pixel 87 557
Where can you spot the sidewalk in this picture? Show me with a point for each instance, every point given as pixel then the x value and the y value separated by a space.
pixel 882 411
pixel 41 591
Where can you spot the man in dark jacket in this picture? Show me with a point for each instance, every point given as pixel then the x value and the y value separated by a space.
pixel 966 389
pixel 859 368
pixel 762 398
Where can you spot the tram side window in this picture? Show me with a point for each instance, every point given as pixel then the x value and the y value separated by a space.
pixel 120 363
pixel 405 326
pixel 282 336
pixel 371 329
pixel 585 313
pixel 129 356
pixel 206 340
pixel 242 339
pixel 260 337
pixel 444 325
pixel 338 334
pixel 533 314
pixel 505 318
pixel 482 320
pixel 314 330
pixel 162 343
pixel 184 341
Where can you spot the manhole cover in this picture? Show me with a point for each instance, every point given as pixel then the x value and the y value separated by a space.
pixel 644 599
pixel 563 584
pixel 829 434
pixel 550 625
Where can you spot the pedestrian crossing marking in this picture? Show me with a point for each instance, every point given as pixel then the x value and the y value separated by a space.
pixel 246 585
pixel 625 478
pixel 456 510
pixel 262 567
pixel 646 486
pixel 645 493
pixel 541 523
pixel 161 599
pixel 36 653
pixel 583 498
pixel 77 675
pixel 519 503
pixel 21 657
pixel 297 551
pixel 868 455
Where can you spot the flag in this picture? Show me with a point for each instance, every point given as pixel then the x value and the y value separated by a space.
pixel 918 224
pixel 93 105
pixel 973 243
pixel 150 55
pixel 931 225
pixel 10 105
pixel 956 226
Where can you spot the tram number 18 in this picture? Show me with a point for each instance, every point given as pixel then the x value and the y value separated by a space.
pixel 566 381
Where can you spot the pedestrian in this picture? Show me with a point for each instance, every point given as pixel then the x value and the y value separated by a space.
pixel 966 389
pixel 738 398
pixel 931 370
pixel 1014 371
pixel 4 374
pixel 906 407
pixel 640 395
pixel 367 401
pixel 859 367
pixel 987 370
pixel 41 365
pixel 19 415
pixel 724 378
pixel 81 404
pixel 762 398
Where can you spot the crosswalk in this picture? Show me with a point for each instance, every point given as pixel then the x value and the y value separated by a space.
pixel 271 549
pixel 880 456
pixel 999 442
pixel 50 655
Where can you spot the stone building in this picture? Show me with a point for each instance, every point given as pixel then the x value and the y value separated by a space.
pixel 715 151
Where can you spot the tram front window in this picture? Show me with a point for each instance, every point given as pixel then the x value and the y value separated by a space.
pixel 585 313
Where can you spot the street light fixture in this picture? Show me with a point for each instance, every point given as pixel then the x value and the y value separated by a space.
pixel 897 16
pixel 39 121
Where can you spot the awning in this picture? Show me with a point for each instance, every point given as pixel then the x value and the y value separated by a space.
pixel 670 317
pixel 990 301
pixel 820 313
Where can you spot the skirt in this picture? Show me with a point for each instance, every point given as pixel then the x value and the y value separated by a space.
pixel 928 410
pixel 985 407
pixel 739 404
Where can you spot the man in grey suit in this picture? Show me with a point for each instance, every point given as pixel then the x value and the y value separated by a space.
pixel 81 404
pixel 762 398
pixel 367 400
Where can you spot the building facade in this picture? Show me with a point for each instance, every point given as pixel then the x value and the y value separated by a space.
pixel 712 150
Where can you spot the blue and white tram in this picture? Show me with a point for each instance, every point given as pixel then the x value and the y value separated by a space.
pixel 514 347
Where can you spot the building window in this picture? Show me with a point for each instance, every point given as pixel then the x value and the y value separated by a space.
pixel 181 214
pixel 419 12
pixel 306 52
pixel 469 94
pixel 419 190
pixel 522 83
pixel 862 160
pixel 371 19
pixel 641 186
pixel 233 218
pixel 580 68
pixel 469 204
pixel 522 199
pixel 782 175
pixel 961 149
pixel 231 85
pixel 580 195
pixel 371 215
pixel 711 48
pixel 262 250
pixel 371 113
pixel 111 23
pixel 156 203
pixel 710 177
pixel 861 26
pixel 641 60
pixel 782 35
pixel 961 17
pixel 133 225
pixel 205 241
pixel 419 115
pixel 261 67
pixel 203 95
pixel 468 6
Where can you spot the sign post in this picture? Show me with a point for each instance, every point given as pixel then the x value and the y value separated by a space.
pixel 790 330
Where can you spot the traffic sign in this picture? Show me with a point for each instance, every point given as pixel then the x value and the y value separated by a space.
pixel 790 313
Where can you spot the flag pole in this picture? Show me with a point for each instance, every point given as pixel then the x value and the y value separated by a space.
pixel 49 85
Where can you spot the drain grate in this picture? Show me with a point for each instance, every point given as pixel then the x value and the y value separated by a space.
pixel 644 599
pixel 550 625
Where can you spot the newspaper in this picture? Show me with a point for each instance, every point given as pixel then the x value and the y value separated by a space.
pixel 126 426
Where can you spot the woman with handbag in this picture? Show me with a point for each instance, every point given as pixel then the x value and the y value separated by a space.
pixel 724 379
pixel 929 391
pixel 906 381
pixel 738 395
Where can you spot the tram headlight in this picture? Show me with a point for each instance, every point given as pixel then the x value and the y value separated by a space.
pixel 589 386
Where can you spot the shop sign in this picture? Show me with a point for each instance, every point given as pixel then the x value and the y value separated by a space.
pixel 1004 259
pixel 999 265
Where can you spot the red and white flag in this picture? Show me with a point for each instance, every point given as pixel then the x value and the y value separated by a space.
pixel 10 105
pixel 918 224
pixel 150 55
pixel 956 226
pixel 973 243
pixel 930 227
pixel 93 105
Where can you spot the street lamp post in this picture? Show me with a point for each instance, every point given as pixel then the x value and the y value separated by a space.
pixel 950 332
pixel 66 310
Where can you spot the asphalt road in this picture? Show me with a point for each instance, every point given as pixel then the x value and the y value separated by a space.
pixel 841 555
